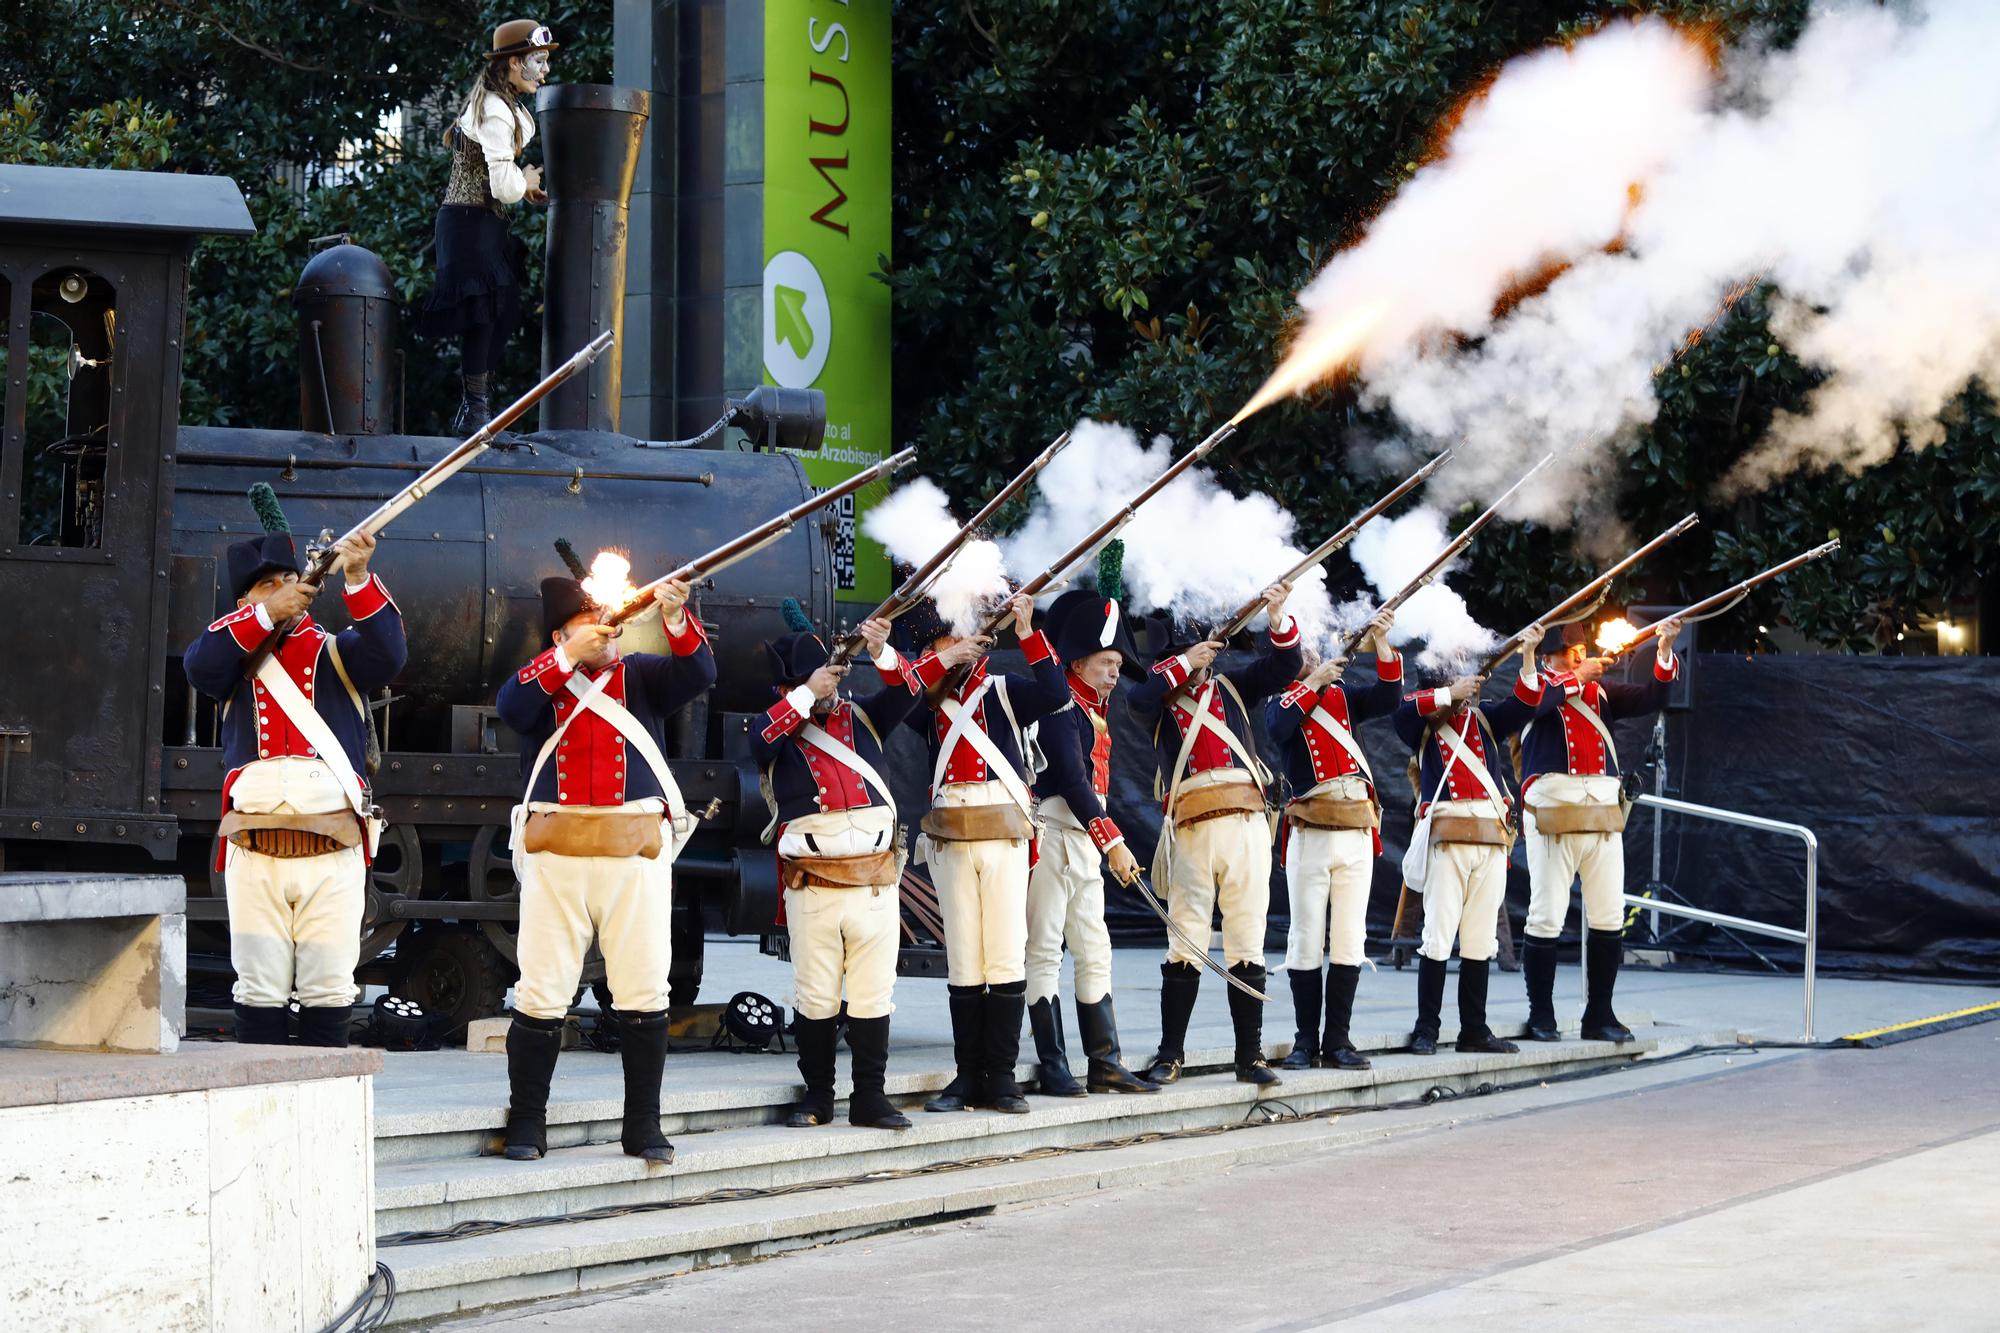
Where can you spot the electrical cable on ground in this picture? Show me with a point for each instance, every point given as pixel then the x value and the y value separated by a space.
pixel 364 1315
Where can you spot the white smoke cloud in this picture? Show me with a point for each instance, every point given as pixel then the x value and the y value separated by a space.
pixel 913 524
pixel 1193 550
pixel 1393 551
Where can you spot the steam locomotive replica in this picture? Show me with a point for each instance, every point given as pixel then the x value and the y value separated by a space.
pixel 114 519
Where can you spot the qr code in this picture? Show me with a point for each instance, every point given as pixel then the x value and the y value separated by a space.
pixel 843 540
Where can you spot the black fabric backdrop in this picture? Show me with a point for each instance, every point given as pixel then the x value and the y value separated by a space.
pixel 1893 762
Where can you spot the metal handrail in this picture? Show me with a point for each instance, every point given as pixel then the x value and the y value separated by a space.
pixel 1809 937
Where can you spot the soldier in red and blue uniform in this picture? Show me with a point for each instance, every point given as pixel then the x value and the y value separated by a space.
pixel 597 832
pixel 977 835
pixel 1215 843
pixel 293 848
pixel 1574 822
pixel 839 858
pixel 1331 839
pixel 1458 855
pixel 1078 839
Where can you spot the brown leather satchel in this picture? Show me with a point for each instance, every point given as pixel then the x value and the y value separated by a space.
pixel 1583 818
pixel 1477 829
pixel 577 834
pixel 1331 812
pixel 288 836
pixel 839 872
pixel 1213 802
pixel 977 823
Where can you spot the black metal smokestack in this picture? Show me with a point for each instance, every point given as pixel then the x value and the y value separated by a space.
pixel 346 302
pixel 590 153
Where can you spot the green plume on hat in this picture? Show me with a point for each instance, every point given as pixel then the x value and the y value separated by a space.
pixel 269 512
pixel 569 557
pixel 1111 570
pixel 795 616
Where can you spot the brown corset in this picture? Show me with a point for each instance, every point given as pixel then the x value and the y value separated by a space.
pixel 469 183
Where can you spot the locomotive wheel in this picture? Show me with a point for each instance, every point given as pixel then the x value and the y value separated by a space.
pixel 396 872
pixel 489 875
pixel 455 974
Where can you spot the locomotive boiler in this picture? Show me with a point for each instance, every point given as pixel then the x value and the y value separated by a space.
pixel 115 521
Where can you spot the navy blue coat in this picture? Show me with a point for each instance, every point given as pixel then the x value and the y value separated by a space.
pixel 1561 740
pixel 1311 756
pixel 1501 719
pixel 1071 744
pixel 1270 673
pixel 1032 698
pixel 805 780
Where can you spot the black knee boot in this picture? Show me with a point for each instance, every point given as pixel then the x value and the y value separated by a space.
pixel 1246 1016
pixel 1430 1005
pixel 1053 1078
pixel 474 408
pixel 1605 950
pixel 258 1026
pixel 1307 985
pixel 1538 968
pixel 1336 1047
pixel 968 1036
pixel 644 1053
pixel 1004 1004
pixel 1473 1034
pixel 868 1051
pixel 1098 1027
pixel 325 1026
pixel 815 1037
pixel 1179 984
pixel 532 1047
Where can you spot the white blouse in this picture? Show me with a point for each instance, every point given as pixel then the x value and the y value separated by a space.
pixel 494 129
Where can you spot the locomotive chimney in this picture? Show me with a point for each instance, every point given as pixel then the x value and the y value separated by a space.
pixel 346 302
pixel 590 153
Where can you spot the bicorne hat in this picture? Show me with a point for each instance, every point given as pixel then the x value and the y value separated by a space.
pixel 795 656
pixel 272 553
pixel 562 601
pixel 1080 623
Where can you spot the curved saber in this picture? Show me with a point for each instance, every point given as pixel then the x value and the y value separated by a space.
pixel 1145 891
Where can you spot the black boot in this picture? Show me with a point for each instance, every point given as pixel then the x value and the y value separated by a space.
pixel 1098 1027
pixel 1051 1051
pixel 257 1026
pixel 1004 1004
pixel 1246 1015
pixel 325 1026
pixel 1179 984
pixel 532 1047
pixel 815 1037
pixel 1336 1048
pixel 1307 985
pixel 968 1034
pixel 868 1052
pixel 474 408
pixel 1538 967
pixel 1473 1034
pixel 1430 1006
pixel 644 1053
pixel 1605 949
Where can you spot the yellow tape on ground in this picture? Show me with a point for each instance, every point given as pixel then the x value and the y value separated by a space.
pixel 1922 1022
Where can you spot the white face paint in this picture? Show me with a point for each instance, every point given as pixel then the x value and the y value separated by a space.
pixel 529 72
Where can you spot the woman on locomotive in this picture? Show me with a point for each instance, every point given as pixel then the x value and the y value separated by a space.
pixel 477 296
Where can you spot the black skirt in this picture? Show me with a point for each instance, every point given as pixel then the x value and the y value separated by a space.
pixel 479 273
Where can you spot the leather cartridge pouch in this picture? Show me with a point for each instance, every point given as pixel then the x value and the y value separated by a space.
pixel 566 834
pixel 289 836
pixel 840 872
pixel 1330 812
pixel 977 823
pixel 1479 829
pixel 1224 798
pixel 1584 818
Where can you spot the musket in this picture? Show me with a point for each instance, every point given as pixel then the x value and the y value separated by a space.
pixel 913 587
pixel 1438 562
pixel 1145 891
pixel 1722 601
pixel 1560 613
pixel 1319 554
pixel 321 564
pixel 759 537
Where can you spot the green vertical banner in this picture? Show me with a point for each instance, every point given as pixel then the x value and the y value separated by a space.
pixel 826 220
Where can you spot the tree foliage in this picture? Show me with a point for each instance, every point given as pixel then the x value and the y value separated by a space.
pixel 1107 209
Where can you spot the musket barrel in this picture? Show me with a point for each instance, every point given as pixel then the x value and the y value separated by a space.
pixel 1587 591
pixel 1722 599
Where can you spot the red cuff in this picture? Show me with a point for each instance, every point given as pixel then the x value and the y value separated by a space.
pixel 1104 833
pixel 1669 671
pixel 1530 697
pixel 689 639
pixel 1175 669
pixel 1391 670
pixel 366 600
pixel 1299 697
pixel 243 627
pixel 1036 648
pixel 780 719
pixel 546 672
pixel 929 670
pixel 1431 701
pixel 1284 636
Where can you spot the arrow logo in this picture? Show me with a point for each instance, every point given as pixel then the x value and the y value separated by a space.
pixel 789 305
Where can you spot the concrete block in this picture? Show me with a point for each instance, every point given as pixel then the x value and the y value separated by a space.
pixel 93 962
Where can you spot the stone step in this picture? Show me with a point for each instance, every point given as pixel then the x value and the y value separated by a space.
pixel 431 1195
pixel 484 1269
pixel 464 1118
